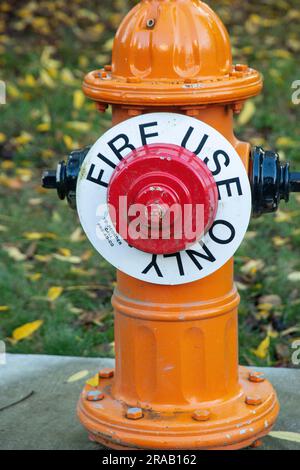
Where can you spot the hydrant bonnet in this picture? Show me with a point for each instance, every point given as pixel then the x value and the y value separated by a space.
pixel 172 53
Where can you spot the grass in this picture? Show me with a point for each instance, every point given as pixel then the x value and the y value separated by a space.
pixel 45 50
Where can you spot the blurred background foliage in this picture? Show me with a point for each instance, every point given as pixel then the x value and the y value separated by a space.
pixel 54 289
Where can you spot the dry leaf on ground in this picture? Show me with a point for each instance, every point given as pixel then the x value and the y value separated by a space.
pixel 26 330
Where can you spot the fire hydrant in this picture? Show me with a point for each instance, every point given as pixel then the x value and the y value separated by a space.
pixel 171 151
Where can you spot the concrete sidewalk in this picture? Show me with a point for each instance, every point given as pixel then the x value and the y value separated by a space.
pixel 46 419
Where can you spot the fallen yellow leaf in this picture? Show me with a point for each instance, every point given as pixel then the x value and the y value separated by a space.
pixel 12 183
pixel 265 306
pixel 286 142
pixel 4 308
pixel 107 46
pixel 81 272
pixel 241 286
pixel 78 99
pixel 272 299
pixel 68 141
pixel 35 201
pixel 283 216
pixel 286 436
pixel 86 255
pixel 279 241
pixel 252 266
pixel 263 348
pixel 26 330
pixel 46 79
pixel 23 139
pixel 83 61
pixel 43 127
pixel 54 293
pixel 65 251
pixel 14 253
pixel 29 80
pixel 78 376
pixel 271 332
pixel 35 277
pixel 67 259
pixel 43 258
pixel 13 91
pixel 294 277
pixel 79 126
pixel 281 53
pixel 67 77
pixel 39 235
pixel 47 153
pixel 93 381
pixel 247 113
pixel 77 235
pixel 24 173
pixel 7 164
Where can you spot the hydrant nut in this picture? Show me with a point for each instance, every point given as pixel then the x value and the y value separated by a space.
pixel 134 413
pixel 256 377
pixel 241 67
pixel 94 395
pixel 254 400
pixel 106 373
pixel 201 415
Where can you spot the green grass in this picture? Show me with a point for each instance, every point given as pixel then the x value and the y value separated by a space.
pixel 80 322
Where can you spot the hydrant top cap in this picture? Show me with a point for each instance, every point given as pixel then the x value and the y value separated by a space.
pixel 172 52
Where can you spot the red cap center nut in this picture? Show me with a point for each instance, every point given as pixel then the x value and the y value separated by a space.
pixel 162 198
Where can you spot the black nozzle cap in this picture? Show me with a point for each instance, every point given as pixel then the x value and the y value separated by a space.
pixel 271 181
pixel 64 178
pixel 56 179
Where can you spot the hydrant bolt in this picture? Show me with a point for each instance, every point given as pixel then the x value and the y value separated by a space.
pixel 94 395
pixel 201 415
pixel 253 400
pixel 106 373
pixel 256 377
pixel 134 413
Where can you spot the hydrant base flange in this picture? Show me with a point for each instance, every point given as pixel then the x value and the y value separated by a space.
pixel 232 423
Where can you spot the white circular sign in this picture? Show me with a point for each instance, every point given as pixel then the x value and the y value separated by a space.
pixel 217 246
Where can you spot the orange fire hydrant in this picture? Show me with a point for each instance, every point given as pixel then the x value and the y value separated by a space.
pixel 173 91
